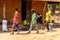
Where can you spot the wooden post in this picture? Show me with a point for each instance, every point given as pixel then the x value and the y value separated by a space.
pixel 45 5
pixel 28 10
pixel 4 21
pixel 4 17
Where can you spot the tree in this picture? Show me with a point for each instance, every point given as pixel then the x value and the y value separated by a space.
pixel 53 8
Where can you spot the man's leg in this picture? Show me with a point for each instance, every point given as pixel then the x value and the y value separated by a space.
pixel 17 29
pixel 12 31
pixel 13 26
pixel 47 28
pixel 37 29
pixel 30 28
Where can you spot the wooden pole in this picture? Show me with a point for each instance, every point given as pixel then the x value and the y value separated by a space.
pixel 4 21
pixel 4 17
pixel 45 5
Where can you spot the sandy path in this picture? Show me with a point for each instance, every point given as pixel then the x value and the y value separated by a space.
pixel 33 36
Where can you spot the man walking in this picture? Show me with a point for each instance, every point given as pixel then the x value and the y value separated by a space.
pixel 48 14
pixel 33 21
pixel 15 21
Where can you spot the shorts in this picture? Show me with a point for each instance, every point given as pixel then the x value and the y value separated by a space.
pixel 15 25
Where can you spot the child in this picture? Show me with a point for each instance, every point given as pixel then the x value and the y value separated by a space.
pixel 51 25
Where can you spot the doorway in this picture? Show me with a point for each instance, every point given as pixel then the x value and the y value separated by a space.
pixel 23 10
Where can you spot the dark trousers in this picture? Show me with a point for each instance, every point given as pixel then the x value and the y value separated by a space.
pixel 47 28
pixel 15 26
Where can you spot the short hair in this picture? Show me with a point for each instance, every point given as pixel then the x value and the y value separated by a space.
pixel 16 9
pixel 32 9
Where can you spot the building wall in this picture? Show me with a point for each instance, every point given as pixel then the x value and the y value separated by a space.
pixel 12 4
pixel 10 7
pixel 39 6
pixel 1 10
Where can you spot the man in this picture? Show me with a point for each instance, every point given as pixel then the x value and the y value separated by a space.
pixel 33 21
pixel 15 21
pixel 48 14
pixel 39 18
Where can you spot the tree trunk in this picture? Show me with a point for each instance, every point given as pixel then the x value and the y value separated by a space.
pixel 53 8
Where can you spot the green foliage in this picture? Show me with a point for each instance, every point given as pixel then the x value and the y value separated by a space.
pixel 58 5
pixel 49 6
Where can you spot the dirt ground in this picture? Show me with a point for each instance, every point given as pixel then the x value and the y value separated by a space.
pixel 43 35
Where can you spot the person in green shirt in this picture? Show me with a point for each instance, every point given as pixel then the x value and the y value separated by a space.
pixel 33 21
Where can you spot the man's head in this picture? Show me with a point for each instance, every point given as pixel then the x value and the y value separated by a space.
pixel 32 10
pixel 16 9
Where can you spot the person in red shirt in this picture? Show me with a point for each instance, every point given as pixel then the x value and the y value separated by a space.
pixel 15 21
